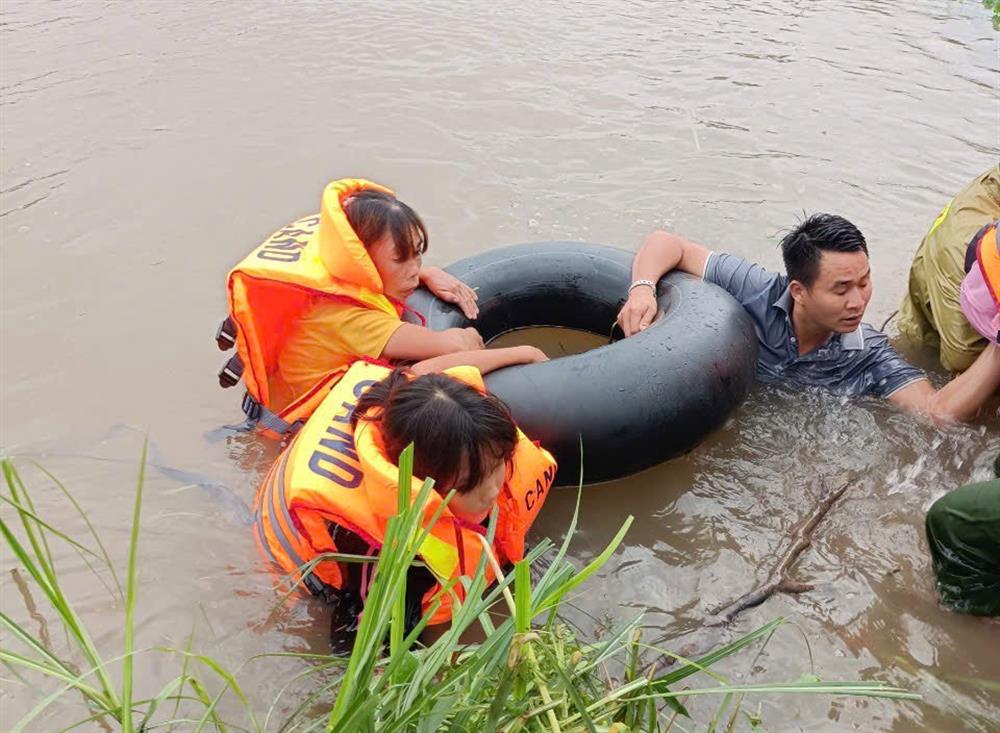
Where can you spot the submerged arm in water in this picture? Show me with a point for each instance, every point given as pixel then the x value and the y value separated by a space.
pixel 961 398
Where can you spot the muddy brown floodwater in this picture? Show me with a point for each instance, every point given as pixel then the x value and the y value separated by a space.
pixel 146 147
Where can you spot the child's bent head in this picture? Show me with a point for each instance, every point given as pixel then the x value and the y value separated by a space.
pixel 394 236
pixel 463 439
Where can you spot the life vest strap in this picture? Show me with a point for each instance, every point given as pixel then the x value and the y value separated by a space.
pixel 225 335
pixel 231 372
pixel 260 416
pixel 972 249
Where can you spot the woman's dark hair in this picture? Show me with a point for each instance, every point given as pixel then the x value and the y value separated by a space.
pixel 802 247
pixel 373 214
pixel 459 434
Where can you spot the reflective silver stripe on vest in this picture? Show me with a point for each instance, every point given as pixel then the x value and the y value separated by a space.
pixel 276 528
pixel 259 518
pixel 316 586
pixel 283 500
pixel 263 538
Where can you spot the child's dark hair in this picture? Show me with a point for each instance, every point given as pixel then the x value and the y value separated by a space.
pixel 802 247
pixel 459 434
pixel 373 214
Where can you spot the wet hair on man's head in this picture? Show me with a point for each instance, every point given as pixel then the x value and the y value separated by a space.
pixel 373 214
pixel 460 435
pixel 802 247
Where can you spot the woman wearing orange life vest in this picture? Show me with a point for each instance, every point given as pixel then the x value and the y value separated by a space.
pixel 336 485
pixel 327 290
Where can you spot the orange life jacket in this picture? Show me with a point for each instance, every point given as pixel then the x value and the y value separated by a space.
pixel 268 292
pixel 330 475
pixel 988 257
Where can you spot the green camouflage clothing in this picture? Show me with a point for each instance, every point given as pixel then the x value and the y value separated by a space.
pixel 963 530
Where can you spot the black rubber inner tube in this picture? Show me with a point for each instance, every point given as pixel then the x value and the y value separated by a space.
pixel 633 403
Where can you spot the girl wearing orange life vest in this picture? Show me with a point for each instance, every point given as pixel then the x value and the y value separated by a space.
pixel 979 293
pixel 327 290
pixel 336 485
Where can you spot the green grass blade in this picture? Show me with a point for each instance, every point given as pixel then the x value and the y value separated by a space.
pixel 358 689
pixel 83 550
pixel 615 644
pixel 852 689
pixel 131 582
pixel 499 703
pixel 183 676
pixel 720 712
pixel 225 675
pixel 25 511
pixel 307 702
pixel 34 563
pixel 50 699
pixel 43 573
pixel 555 596
pixel 35 645
pixel 90 527
pixel 203 697
pixel 59 673
pixel 163 695
pixel 522 596
pixel 62 607
pixel 573 693
pixel 39 544
pixel 398 623
pixel 69 681
pixel 560 556
pixel 714 656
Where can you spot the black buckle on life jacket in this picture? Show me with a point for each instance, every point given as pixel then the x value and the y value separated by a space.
pixel 319 589
pixel 225 335
pixel 231 372
pixel 251 407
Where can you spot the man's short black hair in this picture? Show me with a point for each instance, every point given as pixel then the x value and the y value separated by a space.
pixel 802 247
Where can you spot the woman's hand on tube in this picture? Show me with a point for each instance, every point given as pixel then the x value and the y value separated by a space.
pixel 529 355
pixel 639 311
pixel 450 289
pixel 465 339
pixel 485 360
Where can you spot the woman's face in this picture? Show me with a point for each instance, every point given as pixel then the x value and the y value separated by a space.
pixel 399 277
pixel 475 505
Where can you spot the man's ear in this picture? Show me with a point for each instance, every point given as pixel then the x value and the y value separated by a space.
pixel 797 290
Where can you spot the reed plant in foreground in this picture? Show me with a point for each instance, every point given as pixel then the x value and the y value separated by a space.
pixel 531 672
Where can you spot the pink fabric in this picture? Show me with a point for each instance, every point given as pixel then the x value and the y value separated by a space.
pixel 978 305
